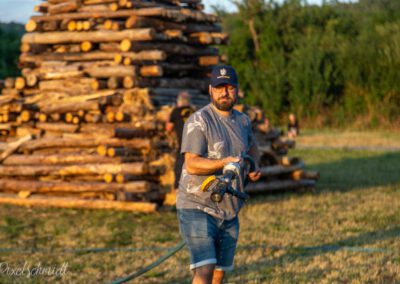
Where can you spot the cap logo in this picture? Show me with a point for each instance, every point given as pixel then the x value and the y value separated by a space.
pixel 222 72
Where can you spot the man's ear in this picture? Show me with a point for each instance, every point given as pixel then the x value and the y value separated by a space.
pixel 209 90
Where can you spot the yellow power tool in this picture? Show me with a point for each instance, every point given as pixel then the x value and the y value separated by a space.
pixel 231 173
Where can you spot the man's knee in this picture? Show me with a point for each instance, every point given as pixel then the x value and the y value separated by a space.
pixel 203 274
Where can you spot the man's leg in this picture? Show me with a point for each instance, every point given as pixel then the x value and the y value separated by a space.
pixel 218 276
pixel 170 198
pixel 199 231
pixel 203 274
pixel 226 247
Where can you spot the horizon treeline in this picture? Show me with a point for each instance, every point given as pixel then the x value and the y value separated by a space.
pixel 332 65
pixel 10 39
pixel 337 64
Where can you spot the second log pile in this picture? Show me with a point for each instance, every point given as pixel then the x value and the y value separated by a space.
pixel 279 172
pixel 95 73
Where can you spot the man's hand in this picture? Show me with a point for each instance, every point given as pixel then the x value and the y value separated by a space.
pixel 255 176
pixel 230 159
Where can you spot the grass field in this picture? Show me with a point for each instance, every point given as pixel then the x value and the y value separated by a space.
pixel 347 231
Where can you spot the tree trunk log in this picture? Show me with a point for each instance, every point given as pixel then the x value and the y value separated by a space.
pixel 66 159
pixel 300 174
pixel 72 186
pixel 93 36
pixel 13 147
pixel 76 143
pixel 144 207
pixel 278 169
pixel 151 12
pixel 74 170
pixel 70 107
pixel 110 71
pixel 145 55
pixel 57 127
pixel 278 185
pixel 64 7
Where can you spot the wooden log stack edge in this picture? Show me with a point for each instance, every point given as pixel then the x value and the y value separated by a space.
pixel 83 126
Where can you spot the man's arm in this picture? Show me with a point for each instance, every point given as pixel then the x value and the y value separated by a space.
pixel 197 165
pixel 169 125
pixel 255 154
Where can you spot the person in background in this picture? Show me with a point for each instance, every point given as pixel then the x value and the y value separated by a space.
pixel 264 126
pixel 293 126
pixel 177 119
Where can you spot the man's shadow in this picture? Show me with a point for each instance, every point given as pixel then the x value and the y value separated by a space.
pixel 359 173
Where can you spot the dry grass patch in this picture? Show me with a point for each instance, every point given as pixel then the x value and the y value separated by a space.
pixel 307 237
pixel 345 139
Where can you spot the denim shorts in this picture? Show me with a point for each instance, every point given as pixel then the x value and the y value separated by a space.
pixel 210 240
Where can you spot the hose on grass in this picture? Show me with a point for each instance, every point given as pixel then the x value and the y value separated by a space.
pixel 143 270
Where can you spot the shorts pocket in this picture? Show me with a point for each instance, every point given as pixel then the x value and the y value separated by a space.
pixel 193 223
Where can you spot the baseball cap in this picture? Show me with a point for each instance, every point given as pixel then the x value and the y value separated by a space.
pixel 223 74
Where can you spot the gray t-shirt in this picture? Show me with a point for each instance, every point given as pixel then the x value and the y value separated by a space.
pixel 210 135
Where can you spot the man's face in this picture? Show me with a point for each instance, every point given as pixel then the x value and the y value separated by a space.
pixel 223 97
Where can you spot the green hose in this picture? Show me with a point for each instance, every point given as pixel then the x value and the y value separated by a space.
pixel 170 253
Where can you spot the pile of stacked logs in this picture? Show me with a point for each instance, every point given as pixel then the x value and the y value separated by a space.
pixel 82 126
pixel 279 172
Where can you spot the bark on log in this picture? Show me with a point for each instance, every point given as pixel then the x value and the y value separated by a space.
pixel 160 25
pixel 170 48
pixel 42 8
pixel 72 186
pixel 110 71
pixel 124 131
pixel 13 147
pixel 76 143
pixel 264 187
pixel 26 130
pixel 122 152
pixel 57 127
pixel 95 8
pixel 124 178
pixel 70 107
pixel 64 7
pixel 65 159
pixel 144 207
pixel 96 2
pixel 70 86
pixel 74 170
pixel 145 55
pixel 300 174
pixel 77 99
pixel 278 169
pixel 9 82
pixel 152 12
pixel 93 36
pixel 114 82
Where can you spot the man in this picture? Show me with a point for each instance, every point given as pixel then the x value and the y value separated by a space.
pixel 213 137
pixel 177 119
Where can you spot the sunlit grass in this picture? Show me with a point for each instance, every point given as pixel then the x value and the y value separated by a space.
pixel 343 139
pixel 356 204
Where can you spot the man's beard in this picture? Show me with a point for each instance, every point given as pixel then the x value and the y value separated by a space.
pixel 226 105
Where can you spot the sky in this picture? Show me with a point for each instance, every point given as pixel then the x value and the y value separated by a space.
pixel 21 10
